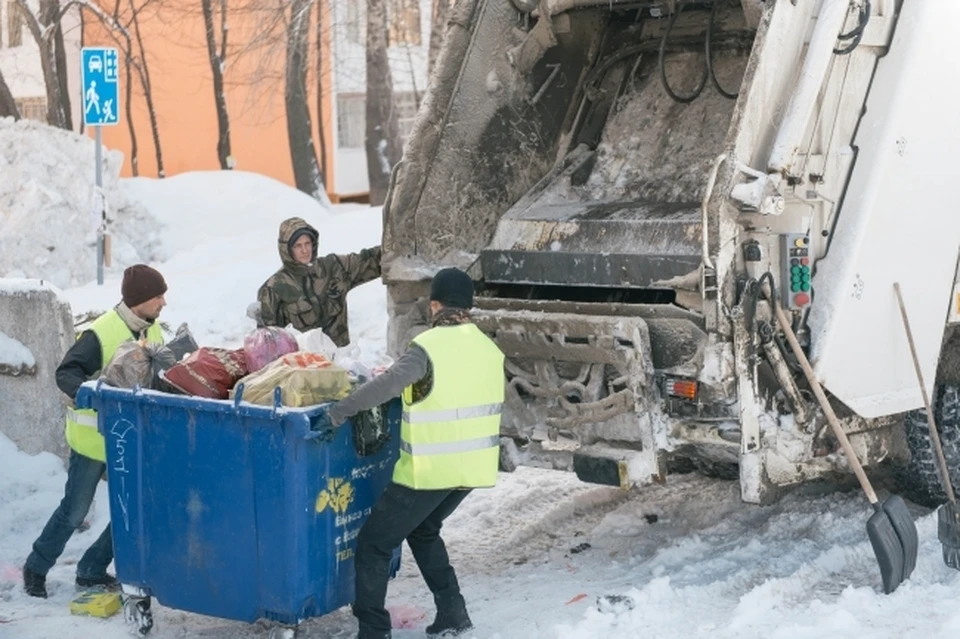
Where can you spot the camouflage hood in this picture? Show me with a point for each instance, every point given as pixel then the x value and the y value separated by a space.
pixel 314 295
pixel 290 231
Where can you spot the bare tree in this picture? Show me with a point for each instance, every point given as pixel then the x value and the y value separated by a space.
pixel 42 26
pixel 118 26
pixel 306 171
pixel 382 133
pixel 8 106
pixel 320 79
pixel 143 71
pixel 128 107
pixel 217 63
pixel 438 30
pixel 60 57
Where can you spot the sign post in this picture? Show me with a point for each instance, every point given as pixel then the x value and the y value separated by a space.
pixel 100 81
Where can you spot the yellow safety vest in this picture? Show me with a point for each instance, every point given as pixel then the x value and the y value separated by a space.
pixel 82 434
pixel 450 438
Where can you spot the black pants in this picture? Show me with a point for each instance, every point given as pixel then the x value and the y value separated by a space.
pixel 417 516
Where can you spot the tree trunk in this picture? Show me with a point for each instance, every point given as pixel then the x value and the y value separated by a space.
pixel 306 171
pixel 382 132
pixel 128 107
pixel 36 24
pixel 216 66
pixel 8 106
pixel 143 70
pixel 320 122
pixel 438 30
pixel 60 56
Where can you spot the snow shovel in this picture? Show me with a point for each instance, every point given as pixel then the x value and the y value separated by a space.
pixel 948 515
pixel 891 530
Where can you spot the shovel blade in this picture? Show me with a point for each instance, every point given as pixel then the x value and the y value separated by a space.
pixel 895 542
pixel 948 530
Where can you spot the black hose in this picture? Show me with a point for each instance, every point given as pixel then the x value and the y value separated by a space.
pixel 773 287
pixel 709 54
pixel 682 99
pixel 857 34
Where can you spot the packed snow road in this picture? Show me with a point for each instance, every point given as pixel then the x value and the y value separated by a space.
pixel 543 555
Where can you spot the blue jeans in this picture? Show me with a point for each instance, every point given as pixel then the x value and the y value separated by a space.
pixel 83 476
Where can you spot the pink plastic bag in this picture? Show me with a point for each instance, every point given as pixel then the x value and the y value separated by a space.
pixel 264 345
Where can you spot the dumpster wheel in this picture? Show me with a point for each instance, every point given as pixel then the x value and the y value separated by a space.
pixel 136 611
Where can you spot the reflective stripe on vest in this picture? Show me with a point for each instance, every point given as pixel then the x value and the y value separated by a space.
pixel 82 417
pixel 450 438
pixel 81 431
pixel 465 446
pixel 451 414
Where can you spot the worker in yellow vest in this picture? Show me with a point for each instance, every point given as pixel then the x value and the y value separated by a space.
pixel 451 380
pixel 134 317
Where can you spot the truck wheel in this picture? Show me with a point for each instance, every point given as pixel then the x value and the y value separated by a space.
pixel 919 480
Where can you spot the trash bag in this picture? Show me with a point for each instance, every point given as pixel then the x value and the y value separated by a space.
pixel 208 372
pixel 370 431
pixel 182 343
pixel 265 345
pixel 137 363
pixel 305 379
pixel 316 341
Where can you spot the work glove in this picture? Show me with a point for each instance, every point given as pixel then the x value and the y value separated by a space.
pixel 321 427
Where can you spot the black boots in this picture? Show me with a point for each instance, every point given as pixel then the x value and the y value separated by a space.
pixel 367 633
pixel 34 583
pixel 451 621
pixel 106 582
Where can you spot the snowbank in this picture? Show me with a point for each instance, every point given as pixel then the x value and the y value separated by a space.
pixel 47 192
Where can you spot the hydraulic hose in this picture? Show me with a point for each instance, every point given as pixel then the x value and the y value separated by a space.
pixel 682 99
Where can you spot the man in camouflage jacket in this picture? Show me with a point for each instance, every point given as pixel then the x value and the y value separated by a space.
pixel 311 292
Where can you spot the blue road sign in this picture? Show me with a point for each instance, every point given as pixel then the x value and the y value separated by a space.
pixel 101 86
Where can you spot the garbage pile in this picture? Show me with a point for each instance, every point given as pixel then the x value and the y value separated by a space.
pixel 303 366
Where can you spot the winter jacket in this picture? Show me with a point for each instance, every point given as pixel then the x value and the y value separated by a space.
pixel 314 295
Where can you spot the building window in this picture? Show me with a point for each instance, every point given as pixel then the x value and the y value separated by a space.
pixel 355 24
pixel 32 108
pixel 406 105
pixel 352 117
pixel 14 24
pixel 403 23
pixel 351 120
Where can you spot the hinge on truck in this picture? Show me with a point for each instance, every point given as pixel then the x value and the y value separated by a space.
pixel 708 283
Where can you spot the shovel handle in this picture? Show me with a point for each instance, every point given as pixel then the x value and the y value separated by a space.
pixel 934 433
pixel 824 402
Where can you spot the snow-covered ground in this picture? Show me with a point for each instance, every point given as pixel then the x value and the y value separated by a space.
pixel 541 555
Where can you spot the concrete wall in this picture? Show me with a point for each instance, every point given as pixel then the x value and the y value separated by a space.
pixel 31 407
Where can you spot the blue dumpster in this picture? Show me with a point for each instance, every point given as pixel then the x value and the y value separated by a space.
pixel 234 510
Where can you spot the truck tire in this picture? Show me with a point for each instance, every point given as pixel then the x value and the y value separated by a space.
pixel 919 479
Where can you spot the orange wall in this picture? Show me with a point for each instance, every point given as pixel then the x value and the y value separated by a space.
pixel 176 52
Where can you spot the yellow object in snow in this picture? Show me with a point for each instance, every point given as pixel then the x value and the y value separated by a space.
pixel 96 604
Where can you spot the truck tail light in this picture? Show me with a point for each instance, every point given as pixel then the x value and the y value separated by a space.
pixel 682 388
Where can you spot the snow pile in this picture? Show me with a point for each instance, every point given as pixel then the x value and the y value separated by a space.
pixel 220 230
pixel 212 209
pixel 14 354
pixel 47 196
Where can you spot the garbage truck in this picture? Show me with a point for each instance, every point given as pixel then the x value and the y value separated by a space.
pixel 635 186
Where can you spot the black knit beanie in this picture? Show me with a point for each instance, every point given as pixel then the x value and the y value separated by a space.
pixel 141 283
pixel 453 288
